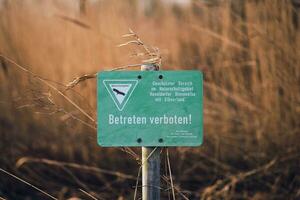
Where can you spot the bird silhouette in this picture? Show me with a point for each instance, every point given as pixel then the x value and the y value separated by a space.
pixel 118 92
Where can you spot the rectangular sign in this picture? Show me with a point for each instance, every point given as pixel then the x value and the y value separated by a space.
pixel 150 108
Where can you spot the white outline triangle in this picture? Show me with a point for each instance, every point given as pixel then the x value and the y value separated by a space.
pixel 107 84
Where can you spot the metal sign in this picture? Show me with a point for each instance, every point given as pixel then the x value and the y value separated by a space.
pixel 150 108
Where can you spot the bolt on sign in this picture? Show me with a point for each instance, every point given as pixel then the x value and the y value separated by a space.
pixel 150 108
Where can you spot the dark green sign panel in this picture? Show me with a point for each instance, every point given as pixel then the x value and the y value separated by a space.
pixel 150 108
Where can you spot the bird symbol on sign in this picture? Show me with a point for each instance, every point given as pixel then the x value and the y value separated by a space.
pixel 118 92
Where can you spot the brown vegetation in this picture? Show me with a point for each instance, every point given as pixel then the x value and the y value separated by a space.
pixel 248 51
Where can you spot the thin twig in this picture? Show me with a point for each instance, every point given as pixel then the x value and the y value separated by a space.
pixel 152 53
pixel 80 79
pixel 170 173
pixel 220 37
pixel 74 21
pixel 88 194
pixel 78 119
pixel 154 57
pixel 130 42
pixel 232 96
pixel 148 156
pixel 29 184
pixel 85 77
pixel 49 85
pixel 130 152
pixel 79 182
pixel 176 188
pixel 137 183
pixel 220 187
pixel 24 160
pixel 167 172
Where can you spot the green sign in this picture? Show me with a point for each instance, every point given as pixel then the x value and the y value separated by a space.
pixel 150 108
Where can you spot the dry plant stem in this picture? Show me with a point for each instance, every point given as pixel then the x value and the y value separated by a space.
pixel 80 79
pixel 85 77
pixel 27 183
pixel 130 152
pixel 154 58
pixel 50 86
pixel 78 119
pixel 69 100
pixel 74 21
pixel 152 53
pixel 166 174
pixel 140 41
pixel 52 107
pixel 88 194
pixel 234 97
pixel 137 183
pixel 220 37
pixel 170 173
pixel 220 187
pixel 176 188
pixel 25 160
pixel 73 176
pixel 224 167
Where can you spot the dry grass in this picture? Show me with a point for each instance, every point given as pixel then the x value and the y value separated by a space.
pixel 248 51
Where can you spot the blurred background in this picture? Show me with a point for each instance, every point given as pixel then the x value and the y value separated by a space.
pixel 248 51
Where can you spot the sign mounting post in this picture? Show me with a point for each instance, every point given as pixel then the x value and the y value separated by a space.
pixel 150 166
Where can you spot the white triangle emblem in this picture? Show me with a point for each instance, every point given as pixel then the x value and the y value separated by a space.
pixel 120 91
